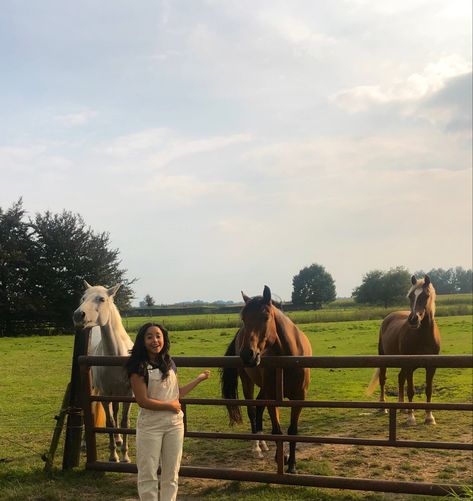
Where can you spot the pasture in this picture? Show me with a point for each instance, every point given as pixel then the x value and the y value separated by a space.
pixel 35 371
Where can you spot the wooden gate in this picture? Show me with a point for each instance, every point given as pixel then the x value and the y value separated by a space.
pixel 279 477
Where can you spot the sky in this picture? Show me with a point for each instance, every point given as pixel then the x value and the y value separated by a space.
pixel 226 145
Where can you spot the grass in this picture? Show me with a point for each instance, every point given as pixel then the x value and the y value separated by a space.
pixel 34 373
pixel 341 310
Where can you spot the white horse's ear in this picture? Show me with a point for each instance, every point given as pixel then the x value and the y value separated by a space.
pixel 245 297
pixel 413 280
pixel 87 285
pixel 113 290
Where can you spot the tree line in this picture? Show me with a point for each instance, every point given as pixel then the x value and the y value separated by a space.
pixel 314 285
pixel 45 258
pixel 43 262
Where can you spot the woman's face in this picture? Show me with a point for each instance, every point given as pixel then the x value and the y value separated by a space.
pixel 154 341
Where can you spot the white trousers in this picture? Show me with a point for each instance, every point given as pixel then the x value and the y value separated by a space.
pixel 155 441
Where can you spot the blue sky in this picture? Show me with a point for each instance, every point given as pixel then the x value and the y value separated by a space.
pixel 226 145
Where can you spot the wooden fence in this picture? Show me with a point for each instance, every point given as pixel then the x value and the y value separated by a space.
pixel 279 477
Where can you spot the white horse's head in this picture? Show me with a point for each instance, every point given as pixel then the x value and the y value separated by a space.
pixel 95 308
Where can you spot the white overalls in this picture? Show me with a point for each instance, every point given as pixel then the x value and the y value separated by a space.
pixel 159 435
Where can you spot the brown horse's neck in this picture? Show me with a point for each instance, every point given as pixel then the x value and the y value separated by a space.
pixel 282 339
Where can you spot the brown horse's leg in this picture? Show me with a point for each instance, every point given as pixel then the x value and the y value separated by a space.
pixel 401 379
pixel 292 430
pixel 382 383
pixel 259 422
pixel 411 420
pixel 248 391
pixel 270 393
pixel 429 373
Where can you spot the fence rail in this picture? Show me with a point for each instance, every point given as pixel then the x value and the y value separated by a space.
pixel 280 363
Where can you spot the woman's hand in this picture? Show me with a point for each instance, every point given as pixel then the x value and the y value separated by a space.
pixel 175 406
pixel 204 375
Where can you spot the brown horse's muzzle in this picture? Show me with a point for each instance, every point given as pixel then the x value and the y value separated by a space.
pixel 414 320
pixel 249 357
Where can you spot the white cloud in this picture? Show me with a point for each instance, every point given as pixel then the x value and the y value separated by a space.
pixel 157 148
pixel 413 88
pixel 76 119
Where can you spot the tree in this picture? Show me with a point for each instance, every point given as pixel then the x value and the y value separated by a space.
pixel 149 300
pixel 313 284
pixel 43 262
pixel 451 281
pixel 463 280
pixel 385 288
pixel 16 260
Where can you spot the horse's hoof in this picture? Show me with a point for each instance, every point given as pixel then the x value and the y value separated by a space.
pixel 264 446
pixel 430 421
pixel 258 455
pixel 286 458
pixel 125 460
pixel 291 469
pixel 411 422
pixel 113 459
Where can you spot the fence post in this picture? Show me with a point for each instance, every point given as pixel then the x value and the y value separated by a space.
pixel 75 422
pixel 89 417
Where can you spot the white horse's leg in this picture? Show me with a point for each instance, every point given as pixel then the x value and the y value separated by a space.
pixel 118 437
pixel 125 423
pixel 111 424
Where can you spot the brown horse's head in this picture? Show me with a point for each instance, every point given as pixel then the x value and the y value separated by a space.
pixel 258 329
pixel 422 298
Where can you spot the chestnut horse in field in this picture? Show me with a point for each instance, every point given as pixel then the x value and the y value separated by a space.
pixel 266 331
pixel 413 332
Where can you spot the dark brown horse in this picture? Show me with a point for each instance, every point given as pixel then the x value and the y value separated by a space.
pixel 413 332
pixel 266 331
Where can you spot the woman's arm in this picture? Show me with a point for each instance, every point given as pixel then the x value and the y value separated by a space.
pixel 140 391
pixel 184 390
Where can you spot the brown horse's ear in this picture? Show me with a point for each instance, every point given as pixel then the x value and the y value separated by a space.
pixel 426 281
pixel 266 295
pixel 87 285
pixel 413 280
pixel 245 297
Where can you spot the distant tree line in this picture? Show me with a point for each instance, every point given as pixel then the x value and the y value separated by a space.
pixel 43 262
pixel 314 285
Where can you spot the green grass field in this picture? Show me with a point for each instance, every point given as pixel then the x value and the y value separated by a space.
pixel 35 371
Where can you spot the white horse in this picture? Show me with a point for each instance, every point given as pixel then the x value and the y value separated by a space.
pixel 97 309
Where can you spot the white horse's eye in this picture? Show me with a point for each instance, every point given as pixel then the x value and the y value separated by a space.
pixel 101 299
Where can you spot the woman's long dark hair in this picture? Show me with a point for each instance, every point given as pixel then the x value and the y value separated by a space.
pixel 139 361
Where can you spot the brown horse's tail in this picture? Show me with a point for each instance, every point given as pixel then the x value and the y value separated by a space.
pixel 229 384
pixel 373 383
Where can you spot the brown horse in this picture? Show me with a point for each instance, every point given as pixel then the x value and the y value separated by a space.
pixel 266 331
pixel 413 332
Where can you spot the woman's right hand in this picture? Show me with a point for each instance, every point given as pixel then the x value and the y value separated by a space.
pixel 175 406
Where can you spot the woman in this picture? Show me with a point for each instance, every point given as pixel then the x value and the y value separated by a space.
pixel 160 426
